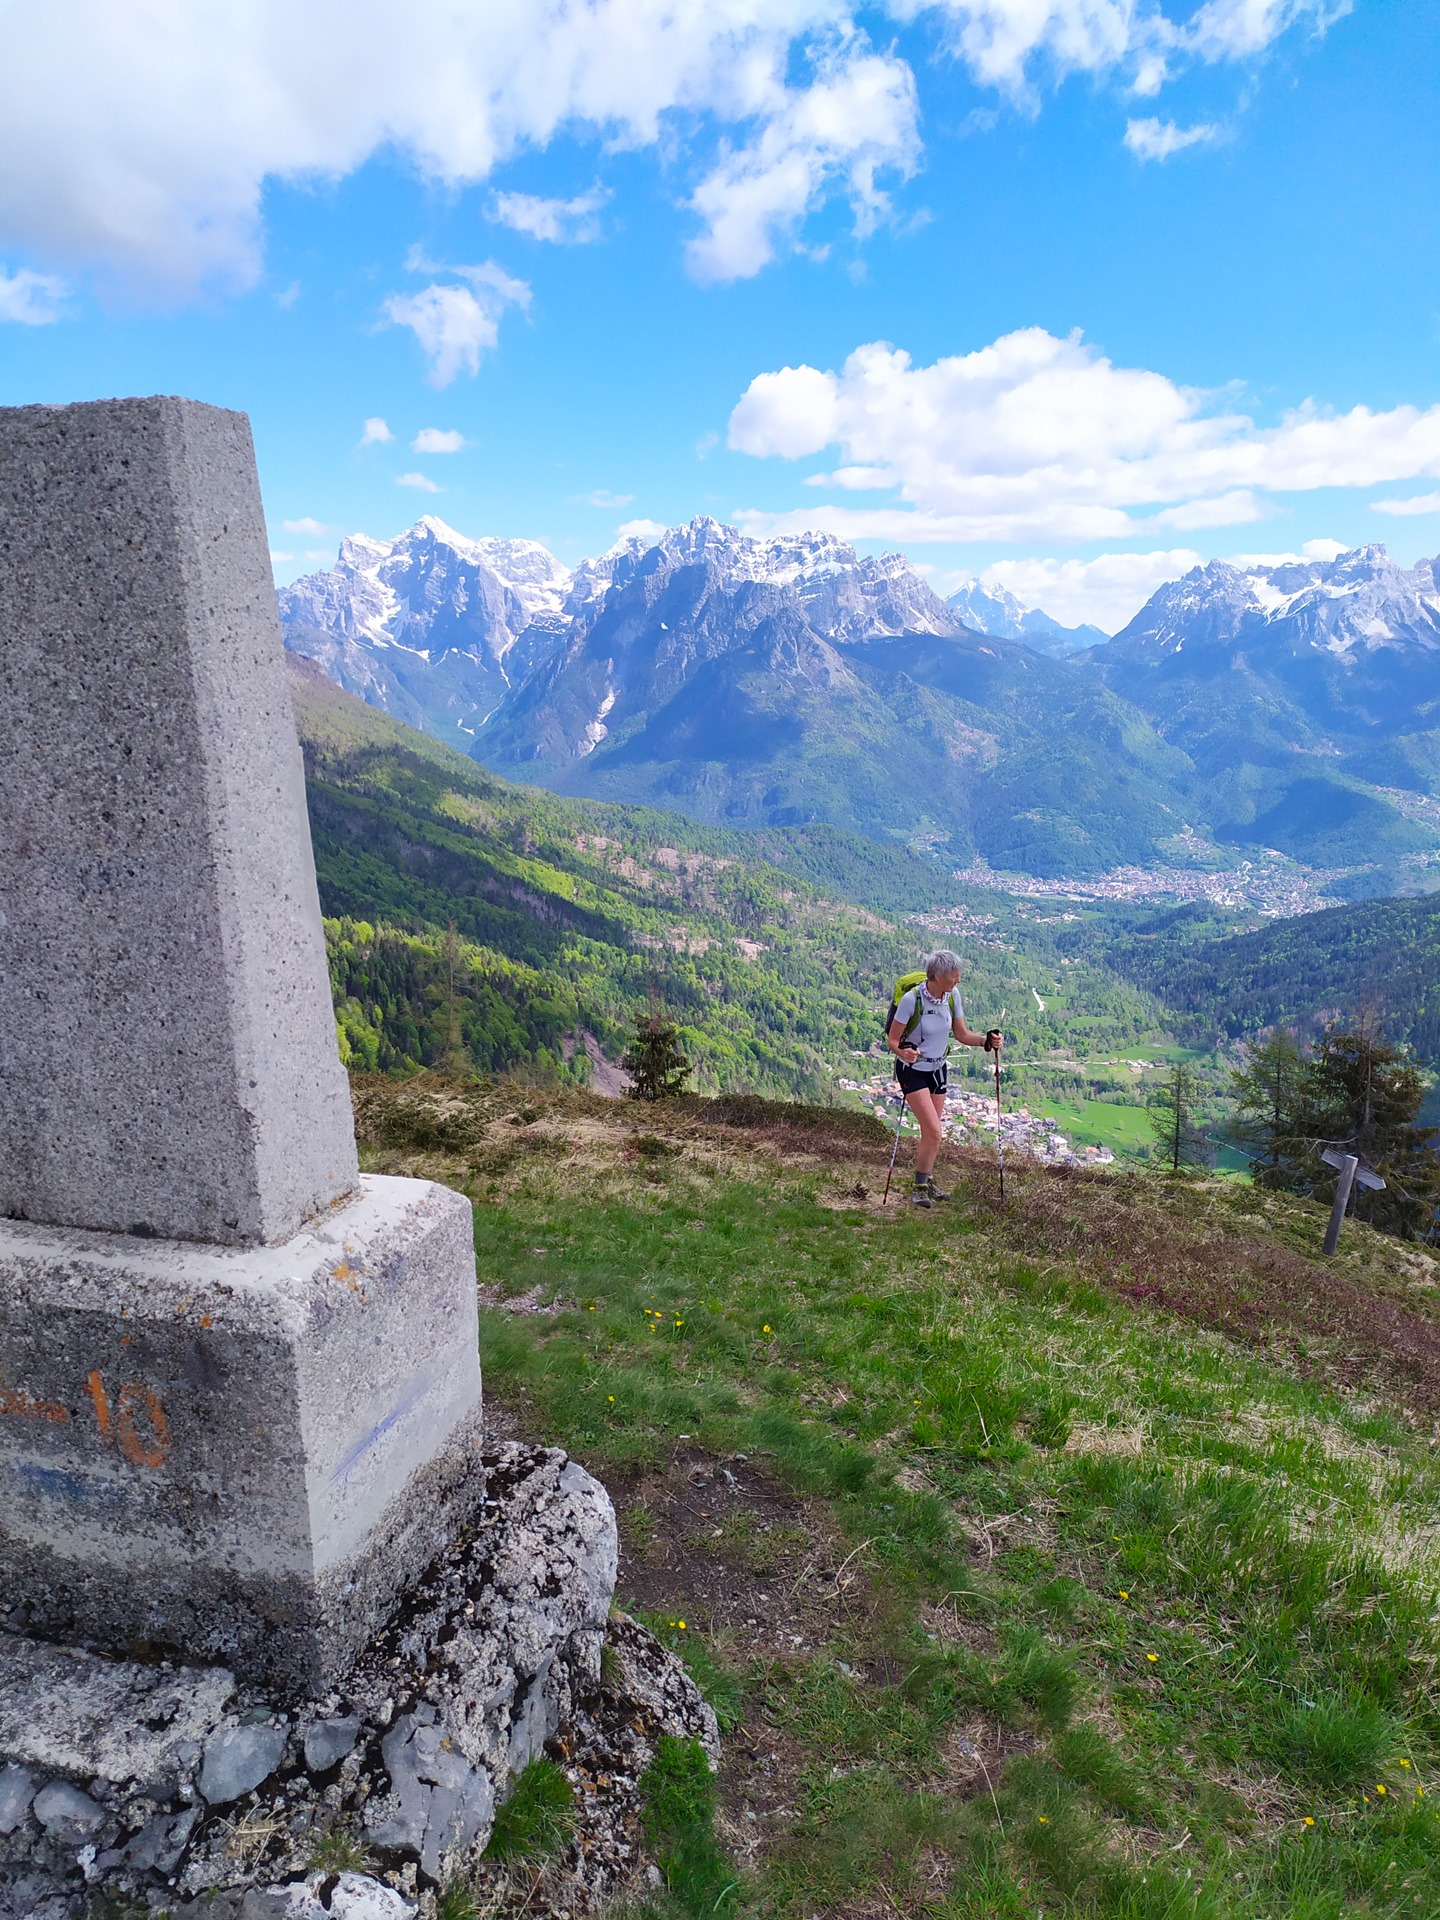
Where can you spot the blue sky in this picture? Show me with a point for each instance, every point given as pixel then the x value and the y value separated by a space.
pixel 1072 290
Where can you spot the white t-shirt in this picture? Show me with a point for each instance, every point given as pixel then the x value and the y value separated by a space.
pixel 932 1036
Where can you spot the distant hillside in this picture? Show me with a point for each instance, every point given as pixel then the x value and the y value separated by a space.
pixel 568 915
pixel 1380 953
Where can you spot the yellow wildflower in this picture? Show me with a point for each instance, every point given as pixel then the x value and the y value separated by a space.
pixel 1308 1821
pixel 1152 1656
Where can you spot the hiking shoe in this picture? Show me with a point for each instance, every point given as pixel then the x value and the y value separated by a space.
pixel 921 1196
pixel 936 1193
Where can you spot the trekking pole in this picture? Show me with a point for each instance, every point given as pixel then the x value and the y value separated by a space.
pixel 992 1045
pixel 899 1123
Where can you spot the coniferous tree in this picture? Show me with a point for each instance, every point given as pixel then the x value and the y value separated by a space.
pixel 1265 1123
pixel 1174 1110
pixel 658 1069
pixel 1361 1095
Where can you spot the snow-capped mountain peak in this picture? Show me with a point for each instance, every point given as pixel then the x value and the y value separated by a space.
pixel 994 610
pixel 1360 601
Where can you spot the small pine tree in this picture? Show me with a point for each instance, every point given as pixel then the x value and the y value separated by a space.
pixel 658 1069
pixel 1266 1091
pixel 1174 1117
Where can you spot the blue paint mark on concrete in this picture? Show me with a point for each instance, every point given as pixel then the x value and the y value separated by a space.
pixel 77 1489
pixel 417 1392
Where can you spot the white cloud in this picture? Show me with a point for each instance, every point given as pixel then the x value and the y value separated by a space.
pixel 1238 29
pixel 1311 550
pixel 458 322
pixel 1100 593
pixel 1159 139
pixel 1038 438
pixel 565 222
pixel 140 139
pixel 421 482
pixel 858 117
pixel 640 530
pixel 1417 503
pixel 1003 42
pixel 602 497
pixel 376 434
pixel 1231 509
pixel 306 525
pixel 31 299
pixel 438 440
pixel 278 559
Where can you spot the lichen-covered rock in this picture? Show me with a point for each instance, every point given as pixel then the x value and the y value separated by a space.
pixel 132 1725
pixel 220 1800
pixel 351 1896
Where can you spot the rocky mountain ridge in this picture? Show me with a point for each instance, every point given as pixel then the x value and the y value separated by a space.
pixel 995 611
pixel 762 682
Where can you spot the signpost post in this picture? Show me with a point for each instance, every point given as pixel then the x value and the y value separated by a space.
pixel 1352 1174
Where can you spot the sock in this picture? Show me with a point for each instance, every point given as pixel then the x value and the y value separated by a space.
pixel 922 1179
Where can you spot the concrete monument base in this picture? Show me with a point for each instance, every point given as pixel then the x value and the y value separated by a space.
pixel 129 1786
pixel 237 1454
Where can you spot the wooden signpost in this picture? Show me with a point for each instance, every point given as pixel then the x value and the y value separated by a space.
pixel 1352 1174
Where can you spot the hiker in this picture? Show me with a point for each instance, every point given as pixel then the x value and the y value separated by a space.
pixel 927 1016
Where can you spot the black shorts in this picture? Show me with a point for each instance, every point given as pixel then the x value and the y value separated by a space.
pixel 916 1080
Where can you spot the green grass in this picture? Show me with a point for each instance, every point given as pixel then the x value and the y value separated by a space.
pixel 1099 1123
pixel 535 1821
pixel 677 1799
pixel 1188 1594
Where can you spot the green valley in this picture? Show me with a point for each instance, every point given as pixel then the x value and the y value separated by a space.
pixel 488 926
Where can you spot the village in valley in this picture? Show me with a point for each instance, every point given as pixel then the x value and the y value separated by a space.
pixel 971 1119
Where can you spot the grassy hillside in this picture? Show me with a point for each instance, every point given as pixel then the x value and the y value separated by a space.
pixel 1077 1559
pixel 568 916
pixel 1380 953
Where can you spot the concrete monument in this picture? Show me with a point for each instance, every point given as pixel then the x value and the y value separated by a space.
pixel 239 1382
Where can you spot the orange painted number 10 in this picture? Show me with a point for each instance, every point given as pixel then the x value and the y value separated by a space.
pixel 121 1423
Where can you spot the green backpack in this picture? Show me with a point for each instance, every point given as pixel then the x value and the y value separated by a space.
pixel 902 987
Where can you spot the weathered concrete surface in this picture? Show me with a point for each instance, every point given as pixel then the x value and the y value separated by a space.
pixel 240 1455
pixel 167 1051
pixel 497 1651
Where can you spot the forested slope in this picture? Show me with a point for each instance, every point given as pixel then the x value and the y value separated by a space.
pixel 483 925
pixel 1380 954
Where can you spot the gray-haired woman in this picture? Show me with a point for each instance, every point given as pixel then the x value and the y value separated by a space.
pixel 926 1019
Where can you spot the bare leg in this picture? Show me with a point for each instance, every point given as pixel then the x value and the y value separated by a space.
pixel 928 1108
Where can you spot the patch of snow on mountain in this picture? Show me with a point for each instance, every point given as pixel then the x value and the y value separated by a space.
pixel 596 730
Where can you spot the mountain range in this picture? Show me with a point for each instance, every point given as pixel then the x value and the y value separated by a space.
pixel 753 682
pixel 995 611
